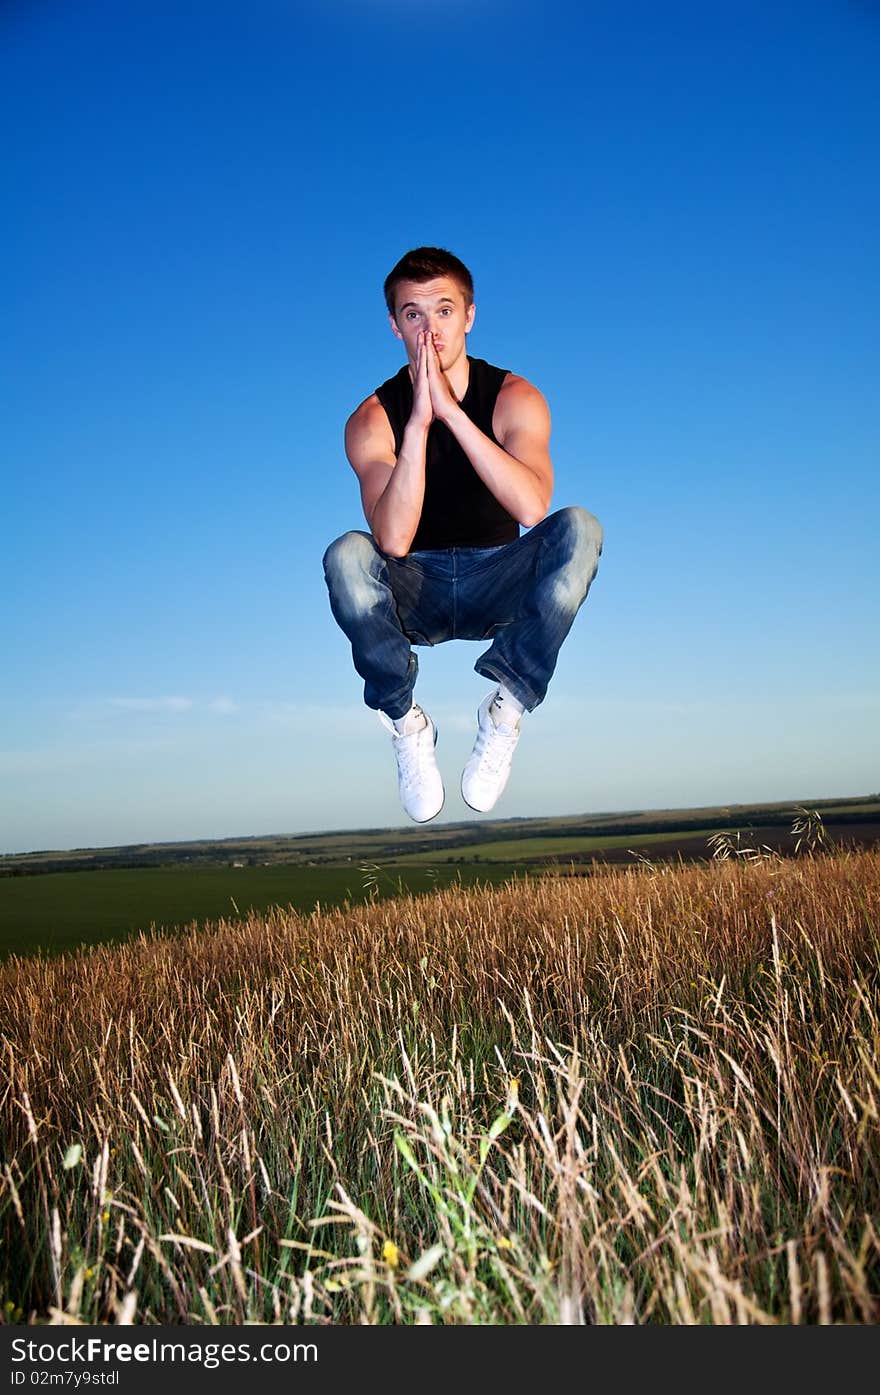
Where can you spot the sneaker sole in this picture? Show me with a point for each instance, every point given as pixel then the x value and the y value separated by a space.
pixel 474 807
pixel 430 816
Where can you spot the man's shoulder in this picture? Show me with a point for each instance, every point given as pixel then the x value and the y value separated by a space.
pixel 520 405
pixel 516 388
pixel 513 380
pixel 367 415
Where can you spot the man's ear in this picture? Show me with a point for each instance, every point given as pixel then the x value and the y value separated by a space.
pixel 394 330
pixel 469 317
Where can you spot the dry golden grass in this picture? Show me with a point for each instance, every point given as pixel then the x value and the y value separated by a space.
pixel 650 1095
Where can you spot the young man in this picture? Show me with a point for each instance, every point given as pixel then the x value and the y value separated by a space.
pixel 452 456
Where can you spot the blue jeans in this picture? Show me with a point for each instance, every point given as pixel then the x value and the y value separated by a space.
pixel 523 595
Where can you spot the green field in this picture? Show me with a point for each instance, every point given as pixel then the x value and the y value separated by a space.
pixel 58 900
pixel 63 910
pixel 516 849
pixel 856 817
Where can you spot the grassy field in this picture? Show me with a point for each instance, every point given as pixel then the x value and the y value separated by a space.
pixel 63 910
pixel 645 1096
pixel 50 902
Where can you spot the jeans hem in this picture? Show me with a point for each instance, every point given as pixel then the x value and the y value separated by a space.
pixel 401 699
pixel 521 691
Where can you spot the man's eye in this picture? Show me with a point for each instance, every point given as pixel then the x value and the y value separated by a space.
pixel 447 310
pixel 412 314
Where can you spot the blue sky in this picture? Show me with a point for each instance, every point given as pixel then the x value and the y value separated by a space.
pixel 671 215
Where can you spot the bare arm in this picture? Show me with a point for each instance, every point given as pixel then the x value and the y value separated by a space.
pixel 392 487
pixel 519 471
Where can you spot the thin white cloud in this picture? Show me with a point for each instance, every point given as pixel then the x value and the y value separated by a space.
pixel 447 718
pixel 223 706
pixel 172 704
pixel 151 704
pixel 319 714
pixel 757 703
pixel 56 760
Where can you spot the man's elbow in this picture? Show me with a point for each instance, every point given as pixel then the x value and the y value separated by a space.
pixel 529 517
pixel 536 505
pixel 536 510
pixel 391 545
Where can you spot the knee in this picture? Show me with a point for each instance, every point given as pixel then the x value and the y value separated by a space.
pixel 348 555
pixel 584 529
pixel 349 564
pixel 579 534
pixel 580 541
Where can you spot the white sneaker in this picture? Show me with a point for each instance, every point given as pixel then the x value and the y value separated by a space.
pixel 419 782
pixel 486 773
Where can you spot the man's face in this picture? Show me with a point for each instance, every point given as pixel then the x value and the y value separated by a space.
pixel 438 306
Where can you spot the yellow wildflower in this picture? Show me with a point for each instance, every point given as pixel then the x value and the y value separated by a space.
pixel 391 1254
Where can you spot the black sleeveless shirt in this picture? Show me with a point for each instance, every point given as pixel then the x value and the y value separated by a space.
pixel 459 510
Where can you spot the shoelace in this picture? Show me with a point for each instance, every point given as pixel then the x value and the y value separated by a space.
pixel 413 752
pixel 497 747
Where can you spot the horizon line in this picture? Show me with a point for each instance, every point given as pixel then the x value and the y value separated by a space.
pixel 451 823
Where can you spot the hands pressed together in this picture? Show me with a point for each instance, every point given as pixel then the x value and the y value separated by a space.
pixel 433 398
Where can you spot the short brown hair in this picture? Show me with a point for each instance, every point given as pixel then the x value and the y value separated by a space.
pixel 424 264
